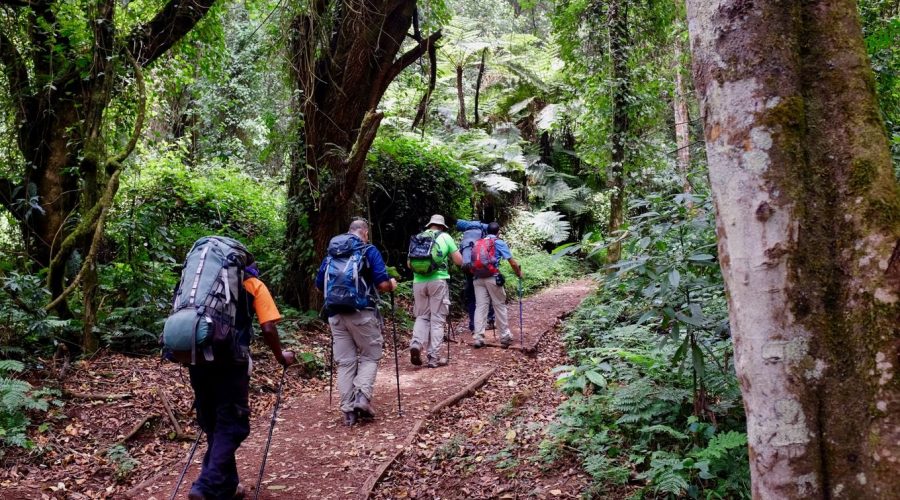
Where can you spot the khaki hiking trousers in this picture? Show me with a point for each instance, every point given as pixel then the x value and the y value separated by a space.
pixel 488 292
pixel 358 346
pixel 432 303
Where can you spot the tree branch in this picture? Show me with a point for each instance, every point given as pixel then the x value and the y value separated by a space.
pixel 422 111
pixel 139 119
pixel 176 19
pixel 103 207
pixel 357 157
pixel 411 56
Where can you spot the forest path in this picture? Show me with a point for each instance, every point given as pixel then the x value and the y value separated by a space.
pixel 313 455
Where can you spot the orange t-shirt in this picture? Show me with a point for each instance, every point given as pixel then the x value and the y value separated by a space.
pixel 263 304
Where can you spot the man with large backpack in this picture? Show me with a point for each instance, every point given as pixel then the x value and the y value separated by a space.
pixel 210 330
pixel 472 231
pixel 349 276
pixel 429 254
pixel 486 256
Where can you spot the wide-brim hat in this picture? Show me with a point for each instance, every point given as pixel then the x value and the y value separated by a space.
pixel 437 220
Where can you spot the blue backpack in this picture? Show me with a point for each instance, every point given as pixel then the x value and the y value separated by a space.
pixel 346 289
pixel 469 237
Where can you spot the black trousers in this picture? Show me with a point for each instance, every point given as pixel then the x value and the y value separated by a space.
pixel 221 398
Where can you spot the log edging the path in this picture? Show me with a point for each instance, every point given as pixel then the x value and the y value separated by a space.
pixel 367 487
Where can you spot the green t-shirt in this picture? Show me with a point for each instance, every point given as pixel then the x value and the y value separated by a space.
pixel 445 246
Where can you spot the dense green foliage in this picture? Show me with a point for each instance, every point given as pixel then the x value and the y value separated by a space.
pixel 653 388
pixel 881 28
pixel 408 181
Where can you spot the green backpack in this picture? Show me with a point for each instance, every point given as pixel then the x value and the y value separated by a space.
pixel 425 256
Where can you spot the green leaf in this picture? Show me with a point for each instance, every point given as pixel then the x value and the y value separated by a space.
pixel 596 378
pixel 697 358
pixel 674 278
pixel 701 257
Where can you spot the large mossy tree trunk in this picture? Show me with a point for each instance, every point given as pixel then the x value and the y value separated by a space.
pixel 344 55
pixel 617 21
pixel 808 224
pixel 60 90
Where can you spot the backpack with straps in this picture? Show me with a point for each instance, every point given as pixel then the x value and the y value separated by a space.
pixel 425 256
pixel 206 302
pixel 346 289
pixel 469 237
pixel 484 258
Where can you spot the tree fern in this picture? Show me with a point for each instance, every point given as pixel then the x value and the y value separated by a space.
pixel 551 225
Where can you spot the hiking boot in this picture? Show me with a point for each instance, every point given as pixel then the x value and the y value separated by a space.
pixel 504 343
pixel 239 493
pixel 478 344
pixel 362 407
pixel 434 363
pixel 196 495
pixel 415 355
pixel 349 418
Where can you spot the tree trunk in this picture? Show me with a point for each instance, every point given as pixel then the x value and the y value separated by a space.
pixel 808 223
pixel 60 110
pixel 461 97
pixel 422 110
pixel 617 18
pixel 682 122
pixel 342 65
pixel 478 82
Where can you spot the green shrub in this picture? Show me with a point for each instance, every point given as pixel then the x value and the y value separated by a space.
pixel 160 211
pixel 540 270
pixel 407 181
pixel 631 408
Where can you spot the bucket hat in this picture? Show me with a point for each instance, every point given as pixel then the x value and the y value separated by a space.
pixel 437 220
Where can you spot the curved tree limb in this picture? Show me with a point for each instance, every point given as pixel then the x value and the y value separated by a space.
pixel 401 63
pixel 111 187
pixel 171 23
pixel 357 157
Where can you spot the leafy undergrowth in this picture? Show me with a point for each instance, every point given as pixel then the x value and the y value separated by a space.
pixel 76 446
pixel 636 417
pixel 488 446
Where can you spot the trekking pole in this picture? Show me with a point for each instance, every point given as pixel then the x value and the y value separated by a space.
pixel 396 361
pixel 521 329
pixel 330 368
pixel 271 428
pixel 187 465
pixel 449 333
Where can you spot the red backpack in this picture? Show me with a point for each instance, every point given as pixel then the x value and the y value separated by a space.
pixel 484 258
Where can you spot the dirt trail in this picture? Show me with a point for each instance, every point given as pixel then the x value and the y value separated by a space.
pixel 313 456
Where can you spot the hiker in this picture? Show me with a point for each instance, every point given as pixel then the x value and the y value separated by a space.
pixel 220 369
pixel 473 231
pixel 350 270
pixel 486 256
pixel 429 254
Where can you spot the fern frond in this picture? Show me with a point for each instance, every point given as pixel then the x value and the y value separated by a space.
pixel 11 365
pixel 497 183
pixel 551 225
